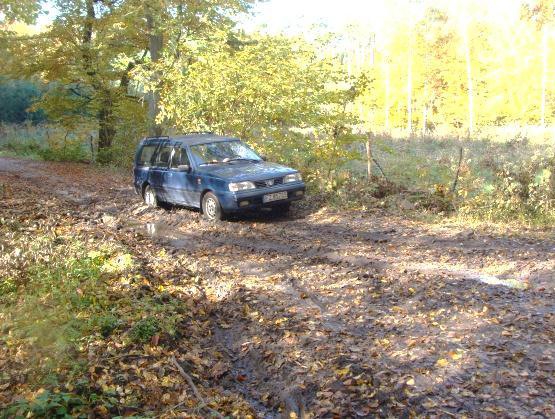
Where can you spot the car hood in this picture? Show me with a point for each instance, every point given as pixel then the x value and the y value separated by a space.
pixel 240 171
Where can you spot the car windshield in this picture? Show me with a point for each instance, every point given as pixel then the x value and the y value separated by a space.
pixel 223 152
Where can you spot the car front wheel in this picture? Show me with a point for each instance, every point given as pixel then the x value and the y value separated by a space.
pixel 150 198
pixel 211 207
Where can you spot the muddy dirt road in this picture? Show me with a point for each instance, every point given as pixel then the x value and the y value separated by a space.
pixel 350 314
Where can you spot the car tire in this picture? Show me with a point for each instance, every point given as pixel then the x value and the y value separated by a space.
pixel 282 209
pixel 150 198
pixel 211 207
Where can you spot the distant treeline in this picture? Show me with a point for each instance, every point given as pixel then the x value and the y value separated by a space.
pixel 16 97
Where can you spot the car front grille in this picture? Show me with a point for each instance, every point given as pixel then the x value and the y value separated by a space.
pixel 268 183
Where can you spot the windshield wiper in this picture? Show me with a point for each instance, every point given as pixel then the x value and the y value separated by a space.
pixel 210 162
pixel 242 159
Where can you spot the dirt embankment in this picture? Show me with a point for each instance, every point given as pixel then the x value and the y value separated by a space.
pixel 347 314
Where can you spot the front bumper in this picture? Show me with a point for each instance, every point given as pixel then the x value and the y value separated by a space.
pixel 252 199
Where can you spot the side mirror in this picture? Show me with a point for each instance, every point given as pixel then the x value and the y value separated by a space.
pixel 264 158
pixel 183 168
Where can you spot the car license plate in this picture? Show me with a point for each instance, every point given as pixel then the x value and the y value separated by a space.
pixel 274 197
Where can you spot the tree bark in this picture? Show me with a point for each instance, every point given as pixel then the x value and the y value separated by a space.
pixel 105 116
pixel 369 138
pixel 155 45
pixel 106 122
pixel 469 82
pixel 409 93
pixel 544 75
pixel 387 75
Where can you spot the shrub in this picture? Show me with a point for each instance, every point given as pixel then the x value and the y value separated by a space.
pixel 144 330
pixel 519 190
pixel 71 152
pixel 107 324
pixel 45 405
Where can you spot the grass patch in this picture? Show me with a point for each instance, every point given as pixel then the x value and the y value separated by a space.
pixel 498 181
pixel 64 296
pixel 46 142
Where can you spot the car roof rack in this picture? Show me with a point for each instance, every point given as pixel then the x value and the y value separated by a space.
pixel 157 137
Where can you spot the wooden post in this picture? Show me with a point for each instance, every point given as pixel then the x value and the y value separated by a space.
pixel 369 137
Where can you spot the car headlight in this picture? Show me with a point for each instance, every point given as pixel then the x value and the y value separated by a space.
pixel 241 186
pixel 293 177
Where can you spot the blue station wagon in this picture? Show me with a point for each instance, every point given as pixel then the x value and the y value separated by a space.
pixel 217 174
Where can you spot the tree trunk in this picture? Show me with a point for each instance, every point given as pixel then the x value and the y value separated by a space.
pixel 369 137
pixel 106 125
pixel 544 75
pixel 387 96
pixel 469 82
pixel 409 93
pixel 424 119
pixel 155 44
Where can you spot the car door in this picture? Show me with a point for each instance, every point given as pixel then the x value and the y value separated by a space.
pixel 143 162
pixel 159 169
pixel 179 181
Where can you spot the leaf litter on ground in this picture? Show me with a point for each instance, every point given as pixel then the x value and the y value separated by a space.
pixel 323 314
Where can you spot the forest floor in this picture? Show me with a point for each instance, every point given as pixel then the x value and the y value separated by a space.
pixel 323 313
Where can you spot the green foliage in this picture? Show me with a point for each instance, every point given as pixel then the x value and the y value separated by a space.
pixel 55 289
pixel 72 152
pixel 21 10
pixel 144 330
pixel 107 324
pixel 522 190
pixel 16 97
pixel 46 405
pixel 27 148
pixel 277 93
pixel 49 142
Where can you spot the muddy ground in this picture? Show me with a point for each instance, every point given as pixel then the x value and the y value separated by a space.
pixel 347 314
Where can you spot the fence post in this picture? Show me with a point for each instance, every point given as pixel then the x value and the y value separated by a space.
pixel 369 137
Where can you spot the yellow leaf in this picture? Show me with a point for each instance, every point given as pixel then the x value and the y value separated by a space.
pixel 343 372
pixel 410 382
pixel 442 362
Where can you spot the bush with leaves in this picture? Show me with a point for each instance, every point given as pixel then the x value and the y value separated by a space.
pixel 519 190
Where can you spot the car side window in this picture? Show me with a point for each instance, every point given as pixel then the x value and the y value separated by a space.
pixel 145 158
pixel 180 157
pixel 163 157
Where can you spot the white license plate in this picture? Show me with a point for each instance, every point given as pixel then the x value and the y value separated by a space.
pixel 274 197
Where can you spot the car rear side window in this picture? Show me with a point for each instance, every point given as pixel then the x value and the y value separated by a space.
pixel 145 159
pixel 163 157
pixel 179 157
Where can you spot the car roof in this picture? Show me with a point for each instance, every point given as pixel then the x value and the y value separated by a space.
pixel 192 138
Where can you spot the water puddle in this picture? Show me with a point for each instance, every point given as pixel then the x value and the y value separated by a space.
pixel 468 274
pixel 493 280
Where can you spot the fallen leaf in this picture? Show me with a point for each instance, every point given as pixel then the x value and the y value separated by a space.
pixel 442 362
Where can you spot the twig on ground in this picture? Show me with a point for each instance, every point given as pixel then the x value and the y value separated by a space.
pixel 380 167
pixel 194 388
pixel 109 358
